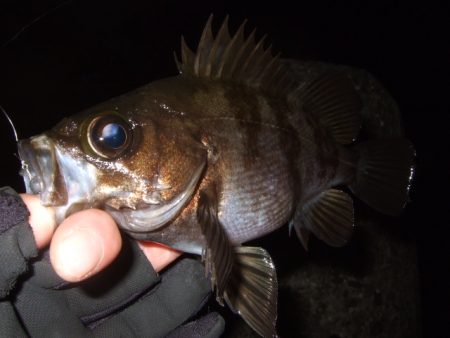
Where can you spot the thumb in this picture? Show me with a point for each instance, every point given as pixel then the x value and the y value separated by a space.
pixel 84 244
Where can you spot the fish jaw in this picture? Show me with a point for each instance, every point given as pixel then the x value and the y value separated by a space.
pixel 41 171
pixel 60 179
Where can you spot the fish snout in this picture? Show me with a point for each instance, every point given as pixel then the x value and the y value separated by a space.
pixel 41 171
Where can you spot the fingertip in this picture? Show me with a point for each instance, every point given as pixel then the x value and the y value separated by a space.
pixel 84 244
pixel 42 219
pixel 158 254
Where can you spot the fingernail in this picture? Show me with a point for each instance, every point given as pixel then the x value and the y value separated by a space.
pixel 78 255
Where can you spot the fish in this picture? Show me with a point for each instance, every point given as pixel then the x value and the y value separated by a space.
pixel 229 150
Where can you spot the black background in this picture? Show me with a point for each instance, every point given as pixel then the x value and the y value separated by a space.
pixel 82 52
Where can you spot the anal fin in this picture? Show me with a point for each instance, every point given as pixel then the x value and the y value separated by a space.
pixel 244 276
pixel 253 289
pixel 302 232
pixel 329 216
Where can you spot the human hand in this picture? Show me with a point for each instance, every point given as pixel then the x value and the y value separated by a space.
pixel 128 299
pixel 86 242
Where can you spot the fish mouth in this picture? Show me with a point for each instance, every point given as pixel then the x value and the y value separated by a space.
pixel 155 216
pixel 40 170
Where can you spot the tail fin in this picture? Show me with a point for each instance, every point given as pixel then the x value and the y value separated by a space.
pixel 384 173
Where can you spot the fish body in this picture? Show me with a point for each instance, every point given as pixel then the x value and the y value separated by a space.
pixel 264 157
pixel 226 152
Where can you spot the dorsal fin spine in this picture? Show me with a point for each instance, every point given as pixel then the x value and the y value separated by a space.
pixel 239 36
pixel 222 39
pixel 236 65
pixel 266 70
pixel 187 55
pixel 258 66
pixel 251 56
pixel 202 47
pixel 266 73
pixel 205 39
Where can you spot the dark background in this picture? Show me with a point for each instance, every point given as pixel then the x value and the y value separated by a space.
pixel 82 52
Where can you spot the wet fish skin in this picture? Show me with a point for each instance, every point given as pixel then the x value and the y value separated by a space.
pixel 228 151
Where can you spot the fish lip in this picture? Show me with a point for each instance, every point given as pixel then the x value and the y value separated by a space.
pixel 155 216
pixel 41 171
pixel 30 170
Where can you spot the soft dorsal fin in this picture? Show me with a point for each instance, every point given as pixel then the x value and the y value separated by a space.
pixel 235 58
pixel 336 103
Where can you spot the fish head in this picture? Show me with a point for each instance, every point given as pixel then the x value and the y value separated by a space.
pixel 141 169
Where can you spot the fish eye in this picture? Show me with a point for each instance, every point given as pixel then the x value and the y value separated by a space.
pixel 112 136
pixel 109 135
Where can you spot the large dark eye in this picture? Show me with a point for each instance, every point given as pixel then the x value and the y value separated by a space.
pixel 109 135
pixel 112 135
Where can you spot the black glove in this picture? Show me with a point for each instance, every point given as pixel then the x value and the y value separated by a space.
pixel 127 299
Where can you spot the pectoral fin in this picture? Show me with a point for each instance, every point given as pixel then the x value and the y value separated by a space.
pixel 218 255
pixel 329 216
pixel 244 276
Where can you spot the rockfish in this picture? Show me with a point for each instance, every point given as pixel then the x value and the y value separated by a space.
pixel 227 151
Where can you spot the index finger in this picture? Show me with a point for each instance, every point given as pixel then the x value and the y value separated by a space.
pixel 42 220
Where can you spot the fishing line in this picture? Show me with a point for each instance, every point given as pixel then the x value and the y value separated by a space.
pixel 17 35
pixel 22 163
pixel 10 122
pixel 32 22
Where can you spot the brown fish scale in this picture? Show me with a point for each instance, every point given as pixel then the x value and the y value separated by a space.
pixel 257 191
pixel 255 140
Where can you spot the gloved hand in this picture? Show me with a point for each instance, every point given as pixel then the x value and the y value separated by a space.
pixel 126 299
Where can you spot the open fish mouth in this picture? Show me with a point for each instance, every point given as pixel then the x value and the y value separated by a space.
pixel 40 170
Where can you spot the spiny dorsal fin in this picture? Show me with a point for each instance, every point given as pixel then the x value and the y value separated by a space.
pixel 235 58
pixel 334 100
pixel 329 216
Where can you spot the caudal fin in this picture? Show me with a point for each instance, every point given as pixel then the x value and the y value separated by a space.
pixel 384 173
